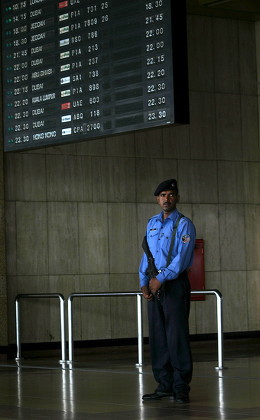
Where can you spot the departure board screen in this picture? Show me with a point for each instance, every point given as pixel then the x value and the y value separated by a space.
pixel 81 69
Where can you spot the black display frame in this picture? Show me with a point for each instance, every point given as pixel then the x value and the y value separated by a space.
pixel 178 94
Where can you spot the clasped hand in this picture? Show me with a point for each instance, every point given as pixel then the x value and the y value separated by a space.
pixel 154 286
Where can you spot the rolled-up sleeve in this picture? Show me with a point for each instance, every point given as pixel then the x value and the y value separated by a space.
pixel 144 280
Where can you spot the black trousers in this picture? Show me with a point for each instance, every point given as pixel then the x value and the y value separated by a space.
pixel 168 315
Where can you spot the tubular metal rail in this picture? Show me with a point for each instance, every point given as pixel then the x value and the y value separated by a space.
pixel 109 294
pixel 62 320
pixel 138 295
pixel 219 313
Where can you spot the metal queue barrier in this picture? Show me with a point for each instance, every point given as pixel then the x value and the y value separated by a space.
pixel 219 313
pixel 62 320
pixel 109 294
pixel 138 295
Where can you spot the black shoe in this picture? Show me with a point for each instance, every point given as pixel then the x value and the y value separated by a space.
pixel 182 398
pixel 157 395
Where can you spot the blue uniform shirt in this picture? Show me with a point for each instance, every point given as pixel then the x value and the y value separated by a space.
pixel 159 234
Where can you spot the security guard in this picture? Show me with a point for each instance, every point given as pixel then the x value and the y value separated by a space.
pixel 171 240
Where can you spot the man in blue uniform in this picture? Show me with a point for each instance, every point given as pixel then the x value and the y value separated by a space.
pixel 171 240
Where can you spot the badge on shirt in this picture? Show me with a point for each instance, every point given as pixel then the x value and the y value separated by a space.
pixel 185 239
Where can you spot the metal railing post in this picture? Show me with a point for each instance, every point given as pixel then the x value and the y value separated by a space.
pixel 62 330
pixel 220 332
pixel 70 329
pixel 17 329
pixel 62 320
pixel 140 329
pixel 218 296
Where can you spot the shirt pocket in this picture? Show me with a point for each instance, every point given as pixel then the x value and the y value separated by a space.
pixel 153 233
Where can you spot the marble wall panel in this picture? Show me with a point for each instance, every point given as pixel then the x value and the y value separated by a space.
pixel 62 149
pixel 228 127
pixel 10 238
pixel 252 182
pixel 32 239
pixel 124 309
pixel 3 322
pixel 252 235
pixel 253 293
pixel 202 126
pixel 95 147
pixel 95 318
pixel 123 247
pixel 12 292
pixel 3 286
pixel 257 41
pixel 65 284
pixel 206 314
pixel 250 128
pixel 205 218
pixel 200 53
pixel 68 178
pixel 2 183
pixel 176 142
pixel 2 240
pixel 63 252
pixel 113 179
pixel 231 185
pixel 185 209
pixel 257 37
pixel 247 60
pixel 149 143
pixel 40 151
pixel 150 173
pixel 121 145
pixel 235 308
pixel 1 129
pixel 226 55
pixel 93 238
pixel 197 181
pixel 91 316
pixel 26 180
pixel 232 237
pixel 34 312
pixel 3 291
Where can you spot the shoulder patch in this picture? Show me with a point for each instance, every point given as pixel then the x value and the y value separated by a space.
pixel 185 239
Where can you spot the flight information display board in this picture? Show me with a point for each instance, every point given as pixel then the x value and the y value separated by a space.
pixel 81 69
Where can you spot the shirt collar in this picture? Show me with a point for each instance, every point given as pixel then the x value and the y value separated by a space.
pixel 173 216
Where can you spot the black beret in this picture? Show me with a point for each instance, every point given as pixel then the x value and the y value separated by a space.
pixel 168 185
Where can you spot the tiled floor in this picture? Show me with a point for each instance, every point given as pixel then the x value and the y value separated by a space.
pixel 105 384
